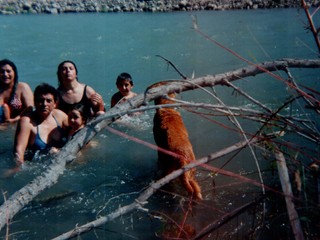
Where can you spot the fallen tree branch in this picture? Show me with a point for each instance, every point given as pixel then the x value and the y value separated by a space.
pixel 139 203
pixel 224 78
pixel 287 190
pixel 312 27
pixel 26 194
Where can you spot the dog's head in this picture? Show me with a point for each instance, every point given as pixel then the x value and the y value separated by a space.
pixel 165 100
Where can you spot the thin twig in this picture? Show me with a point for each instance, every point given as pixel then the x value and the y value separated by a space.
pixel 175 68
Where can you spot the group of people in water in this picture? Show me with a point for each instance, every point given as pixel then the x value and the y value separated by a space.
pixel 50 116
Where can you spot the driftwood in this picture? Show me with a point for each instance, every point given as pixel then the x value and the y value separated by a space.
pixel 26 194
pixel 287 190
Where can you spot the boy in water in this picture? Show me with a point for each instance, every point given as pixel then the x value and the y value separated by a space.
pixel 124 84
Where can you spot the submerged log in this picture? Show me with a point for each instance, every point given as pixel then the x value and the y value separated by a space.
pixel 287 190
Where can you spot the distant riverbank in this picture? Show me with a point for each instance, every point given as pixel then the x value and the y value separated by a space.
pixel 75 6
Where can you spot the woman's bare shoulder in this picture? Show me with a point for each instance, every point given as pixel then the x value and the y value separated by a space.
pixel 59 113
pixel 27 119
pixel 22 87
pixel 90 91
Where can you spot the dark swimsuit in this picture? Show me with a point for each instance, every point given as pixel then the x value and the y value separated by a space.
pixel 85 101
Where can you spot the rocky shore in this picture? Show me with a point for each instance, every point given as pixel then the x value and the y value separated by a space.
pixel 77 6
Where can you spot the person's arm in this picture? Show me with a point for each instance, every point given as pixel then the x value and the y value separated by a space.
pixel 6 112
pixel 26 95
pixel 96 101
pixel 65 122
pixel 63 118
pixel 21 139
pixel 98 104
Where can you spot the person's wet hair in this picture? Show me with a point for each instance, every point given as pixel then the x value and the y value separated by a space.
pixel 82 110
pixel 4 62
pixel 60 67
pixel 124 76
pixel 45 88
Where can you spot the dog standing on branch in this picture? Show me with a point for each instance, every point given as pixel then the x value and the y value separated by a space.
pixel 171 134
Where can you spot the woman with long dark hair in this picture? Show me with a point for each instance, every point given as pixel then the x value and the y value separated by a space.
pixel 72 92
pixel 16 95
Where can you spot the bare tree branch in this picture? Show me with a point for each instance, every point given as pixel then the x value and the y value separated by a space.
pixel 26 194
pixel 139 203
pixel 312 26
pixel 174 67
pixel 287 190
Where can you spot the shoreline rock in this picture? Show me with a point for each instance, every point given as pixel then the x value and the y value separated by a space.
pixel 8 7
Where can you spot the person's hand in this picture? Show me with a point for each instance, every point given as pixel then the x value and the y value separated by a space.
pixel 54 150
pixel 17 160
pixel 97 102
pixel 9 172
pixel 96 99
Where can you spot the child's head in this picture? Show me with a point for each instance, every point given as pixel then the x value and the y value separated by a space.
pixel 77 117
pixel 124 83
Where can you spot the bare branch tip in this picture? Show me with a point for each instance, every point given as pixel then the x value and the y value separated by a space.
pixel 194 22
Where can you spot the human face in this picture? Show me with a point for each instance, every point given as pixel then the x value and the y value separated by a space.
pixel 124 87
pixel 75 120
pixel 45 103
pixel 7 74
pixel 68 72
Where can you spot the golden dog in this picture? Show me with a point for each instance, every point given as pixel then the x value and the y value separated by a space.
pixel 170 134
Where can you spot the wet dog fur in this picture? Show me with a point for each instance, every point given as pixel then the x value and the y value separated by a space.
pixel 171 134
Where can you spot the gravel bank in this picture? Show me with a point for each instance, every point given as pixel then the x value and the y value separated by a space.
pixel 77 6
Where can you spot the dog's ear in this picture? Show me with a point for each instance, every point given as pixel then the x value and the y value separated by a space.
pixel 172 95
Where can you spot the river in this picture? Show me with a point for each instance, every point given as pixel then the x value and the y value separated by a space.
pixel 113 170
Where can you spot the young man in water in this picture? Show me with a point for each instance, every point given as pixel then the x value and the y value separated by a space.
pixel 43 128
